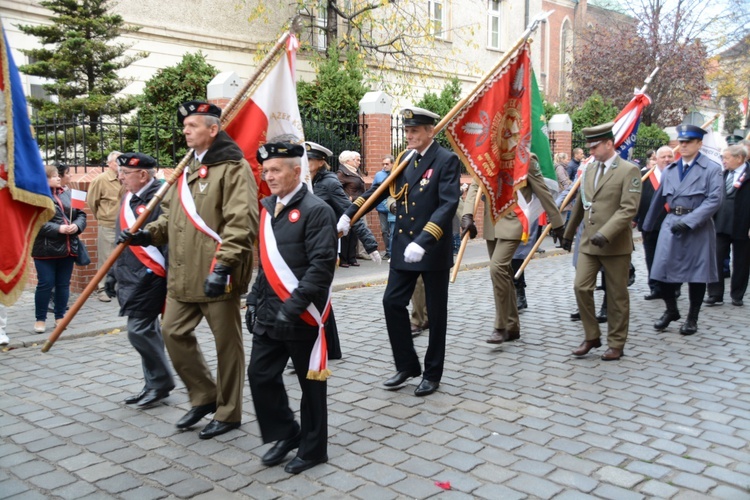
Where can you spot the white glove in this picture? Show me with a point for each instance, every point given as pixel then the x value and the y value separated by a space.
pixel 413 253
pixel 376 258
pixel 344 225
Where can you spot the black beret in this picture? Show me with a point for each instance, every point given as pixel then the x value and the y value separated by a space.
pixel 279 150
pixel 197 108
pixel 136 160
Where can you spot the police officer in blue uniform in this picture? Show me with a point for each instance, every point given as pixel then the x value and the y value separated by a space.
pixel 426 194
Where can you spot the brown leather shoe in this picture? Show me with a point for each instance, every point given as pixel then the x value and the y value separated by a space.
pixel 612 354
pixel 497 337
pixel 586 346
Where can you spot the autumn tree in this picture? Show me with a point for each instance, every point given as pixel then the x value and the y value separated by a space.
pixel 729 74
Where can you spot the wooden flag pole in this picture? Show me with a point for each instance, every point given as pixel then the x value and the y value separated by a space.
pixel 240 97
pixel 464 242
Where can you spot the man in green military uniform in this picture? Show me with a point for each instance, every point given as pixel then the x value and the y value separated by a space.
pixel 210 228
pixel 503 239
pixel 608 200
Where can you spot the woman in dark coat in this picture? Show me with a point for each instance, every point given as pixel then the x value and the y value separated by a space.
pixel 354 185
pixel 328 188
pixel 54 252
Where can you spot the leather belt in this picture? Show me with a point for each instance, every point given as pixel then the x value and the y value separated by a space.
pixel 680 210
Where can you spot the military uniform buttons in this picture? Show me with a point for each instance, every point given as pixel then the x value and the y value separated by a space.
pixel 414 204
pixel 411 232
pixel 400 230
pixel 400 216
pixel 412 218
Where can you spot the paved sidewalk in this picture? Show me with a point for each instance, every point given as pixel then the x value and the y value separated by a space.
pixel 522 420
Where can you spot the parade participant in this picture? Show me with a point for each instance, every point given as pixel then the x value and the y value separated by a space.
pixel 732 227
pixel 141 278
pixel 503 238
pixel 664 157
pixel 327 187
pixel 693 190
pixel 383 211
pixel 608 200
pixel 103 198
pixel 287 308
pixel 426 194
pixel 209 229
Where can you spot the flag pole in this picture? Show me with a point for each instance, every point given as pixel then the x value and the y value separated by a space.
pixel 367 205
pixel 242 95
pixel 567 200
pixel 464 242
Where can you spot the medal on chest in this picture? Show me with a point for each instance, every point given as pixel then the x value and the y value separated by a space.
pixel 294 216
pixel 203 172
pixel 140 209
pixel 426 178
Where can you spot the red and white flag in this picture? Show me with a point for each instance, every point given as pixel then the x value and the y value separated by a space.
pixel 77 199
pixel 272 110
pixel 492 133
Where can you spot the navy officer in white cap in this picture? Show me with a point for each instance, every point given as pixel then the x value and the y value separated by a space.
pixel 692 189
pixel 426 194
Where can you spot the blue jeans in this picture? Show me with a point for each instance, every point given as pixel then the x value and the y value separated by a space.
pixel 52 273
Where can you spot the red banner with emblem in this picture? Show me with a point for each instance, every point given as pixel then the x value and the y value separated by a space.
pixel 492 133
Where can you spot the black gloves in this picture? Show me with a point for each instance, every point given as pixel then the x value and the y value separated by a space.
pixel 467 224
pixel 109 286
pixel 598 240
pixel 284 325
pixel 566 244
pixel 217 282
pixel 250 317
pixel 680 228
pixel 558 232
pixel 141 238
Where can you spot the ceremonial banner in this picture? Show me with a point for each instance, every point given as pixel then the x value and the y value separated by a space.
pixel 25 202
pixel 492 133
pixel 271 111
pixel 627 122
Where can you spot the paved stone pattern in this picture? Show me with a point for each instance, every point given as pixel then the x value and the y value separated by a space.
pixel 522 420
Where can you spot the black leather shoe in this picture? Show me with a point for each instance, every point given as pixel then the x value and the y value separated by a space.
pixel 152 397
pixel 216 428
pixel 426 387
pixel 195 414
pixel 401 377
pixel 666 319
pixel 131 400
pixel 298 464
pixel 652 296
pixel 713 301
pixel 690 327
pixel 576 316
pixel 280 449
pixel 737 302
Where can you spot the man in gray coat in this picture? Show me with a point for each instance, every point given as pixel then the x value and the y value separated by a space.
pixel 693 189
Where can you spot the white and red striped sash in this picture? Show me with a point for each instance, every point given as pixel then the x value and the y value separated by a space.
pixel 188 205
pixel 149 256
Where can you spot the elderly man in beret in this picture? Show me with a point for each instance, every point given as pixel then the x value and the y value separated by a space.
pixel 608 201
pixel 141 277
pixel 288 308
pixel 210 229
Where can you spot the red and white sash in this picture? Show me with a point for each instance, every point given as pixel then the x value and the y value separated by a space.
pixel 188 204
pixel 284 282
pixel 149 256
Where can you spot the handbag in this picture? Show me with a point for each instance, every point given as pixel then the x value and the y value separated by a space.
pixel 82 259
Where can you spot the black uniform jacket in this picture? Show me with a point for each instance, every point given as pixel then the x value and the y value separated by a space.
pixel 140 292
pixel 327 187
pixel 306 237
pixel 50 243
pixel 425 210
pixel 647 194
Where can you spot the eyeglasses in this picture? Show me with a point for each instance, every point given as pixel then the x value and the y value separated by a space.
pixel 127 172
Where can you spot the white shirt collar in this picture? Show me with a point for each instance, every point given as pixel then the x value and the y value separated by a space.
pixel 199 157
pixel 287 198
pixel 425 149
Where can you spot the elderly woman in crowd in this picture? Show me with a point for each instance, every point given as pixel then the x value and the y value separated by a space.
pixel 54 252
pixel 561 171
pixel 354 185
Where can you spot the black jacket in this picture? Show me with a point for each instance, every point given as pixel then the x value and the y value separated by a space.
pixel 50 243
pixel 140 292
pixel 306 237
pixel 327 187
pixel 647 194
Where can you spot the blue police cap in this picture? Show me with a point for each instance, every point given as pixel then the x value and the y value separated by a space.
pixel 690 132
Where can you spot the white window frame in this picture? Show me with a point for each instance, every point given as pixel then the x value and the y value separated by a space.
pixel 493 15
pixel 439 25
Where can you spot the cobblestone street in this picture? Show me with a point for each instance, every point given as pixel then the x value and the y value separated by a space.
pixel 522 420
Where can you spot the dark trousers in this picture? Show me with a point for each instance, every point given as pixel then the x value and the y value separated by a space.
pixel 740 267
pixel 275 418
pixel 52 273
pixel 385 231
pixel 348 252
pixel 395 301
pixel 649 248
pixel 144 335
pixel 333 344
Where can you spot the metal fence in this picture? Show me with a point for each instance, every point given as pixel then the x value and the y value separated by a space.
pixel 84 143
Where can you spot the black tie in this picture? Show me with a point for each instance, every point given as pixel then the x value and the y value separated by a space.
pixel 417 157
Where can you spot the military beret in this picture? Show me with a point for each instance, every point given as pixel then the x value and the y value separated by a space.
pixel 733 139
pixel 279 150
pixel 197 108
pixel 316 151
pixel 597 134
pixel 414 116
pixel 690 132
pixel 136 160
